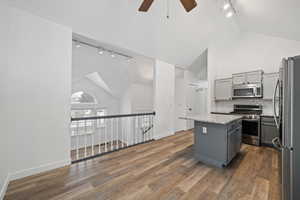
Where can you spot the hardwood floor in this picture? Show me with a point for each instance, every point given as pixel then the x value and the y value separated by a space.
pixel 163 169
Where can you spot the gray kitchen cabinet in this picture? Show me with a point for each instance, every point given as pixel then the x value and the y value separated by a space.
pixel 234 144
pixel 268 130
pixel 254 77
pixel 223 89
pixel 269 83
pixel 217 144
pixel 247 77
pixel 238 79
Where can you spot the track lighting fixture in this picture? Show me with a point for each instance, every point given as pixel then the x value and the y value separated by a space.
pixel 229 14
pixel 102 50
pixel 228 9
pixel 77 44
pixel 226 6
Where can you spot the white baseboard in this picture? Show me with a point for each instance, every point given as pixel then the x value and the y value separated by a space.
pixel 166 134
pixel 40 169
pixel 4 187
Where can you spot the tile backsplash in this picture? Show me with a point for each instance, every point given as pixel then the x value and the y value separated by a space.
pixel 227 106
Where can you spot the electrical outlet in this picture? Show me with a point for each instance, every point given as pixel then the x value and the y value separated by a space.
pixel 204 130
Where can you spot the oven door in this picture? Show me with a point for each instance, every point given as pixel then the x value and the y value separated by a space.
pixel 244 92
pixel 251 131
pixel 250 127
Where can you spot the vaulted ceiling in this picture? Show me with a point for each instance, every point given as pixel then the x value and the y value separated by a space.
pixel 271 17
pixel 178 40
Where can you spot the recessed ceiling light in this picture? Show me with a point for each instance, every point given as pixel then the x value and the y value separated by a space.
pixel 113 55
pixel 229 14
pixel 226 6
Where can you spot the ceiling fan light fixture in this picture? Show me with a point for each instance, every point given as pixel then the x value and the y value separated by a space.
pixel 187 4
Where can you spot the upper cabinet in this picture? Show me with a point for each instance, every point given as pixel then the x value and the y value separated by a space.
pixel 239 79
pixel 269 83
pixel 247 77
pixel 254 77
pixel 223 89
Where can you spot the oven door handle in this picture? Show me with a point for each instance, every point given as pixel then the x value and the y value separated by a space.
pixel 251 120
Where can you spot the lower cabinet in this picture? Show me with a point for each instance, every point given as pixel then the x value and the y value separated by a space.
pixel 217 144
pixel 234 142
pixel 269 131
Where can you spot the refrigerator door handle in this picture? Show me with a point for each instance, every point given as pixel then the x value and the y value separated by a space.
pixel 274 103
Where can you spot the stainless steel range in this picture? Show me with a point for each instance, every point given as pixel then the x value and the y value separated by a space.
pixel 250 122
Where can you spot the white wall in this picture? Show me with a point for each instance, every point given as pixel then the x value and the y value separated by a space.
pixel 5 48
pixel 142 97
pixel 136 99
pixel 199 66
pixel 164 99
pixel 119 23
pixel 35 94
pixel 236 52
pixel 180 103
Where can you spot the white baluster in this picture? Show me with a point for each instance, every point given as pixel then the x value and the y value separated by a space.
pixel 122 133
pixel 77 140
pixel 93 134
pixel 99 135
pixel 117 130
pixel 111 134
pixel 152 125
pixel 105 132
pixel 140 132
pixel 85 139
pixel 135 132
pixel 139 129
pixel 145 127
pixel 127 130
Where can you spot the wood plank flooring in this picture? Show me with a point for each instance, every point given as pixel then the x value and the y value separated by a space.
pixel 162 169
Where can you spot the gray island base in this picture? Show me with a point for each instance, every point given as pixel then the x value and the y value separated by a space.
pixel 217 138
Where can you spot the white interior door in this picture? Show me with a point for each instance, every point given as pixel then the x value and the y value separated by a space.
pixel 201 101
pixel 196 103
pixel 180 97
pixel 190 105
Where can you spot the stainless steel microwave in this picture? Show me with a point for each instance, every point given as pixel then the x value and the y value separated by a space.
pixel 247 91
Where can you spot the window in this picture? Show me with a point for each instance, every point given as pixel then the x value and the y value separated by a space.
pixel 82 98
pixel 85 105
pixel 86 126
pixel 82 127
pixel 101 122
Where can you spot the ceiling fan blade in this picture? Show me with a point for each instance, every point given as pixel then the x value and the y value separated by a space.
pixel 188 4
pixel 145 5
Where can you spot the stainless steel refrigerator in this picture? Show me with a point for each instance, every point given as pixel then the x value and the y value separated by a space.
pixel 286 104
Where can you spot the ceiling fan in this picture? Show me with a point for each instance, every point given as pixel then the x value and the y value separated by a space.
pixel 187 4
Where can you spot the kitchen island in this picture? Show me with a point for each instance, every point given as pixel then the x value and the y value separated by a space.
pixel 217 138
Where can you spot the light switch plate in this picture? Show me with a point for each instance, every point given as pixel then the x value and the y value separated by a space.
pixel 204 130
